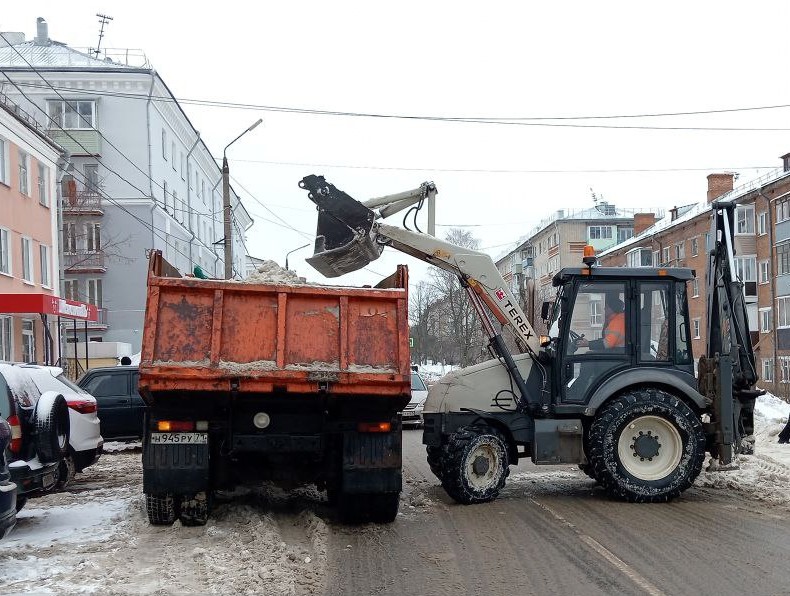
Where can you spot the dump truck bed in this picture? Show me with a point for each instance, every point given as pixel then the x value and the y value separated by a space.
pixel 211 335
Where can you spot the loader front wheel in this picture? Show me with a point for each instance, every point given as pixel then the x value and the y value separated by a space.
pixel 646 446
pixel 474 465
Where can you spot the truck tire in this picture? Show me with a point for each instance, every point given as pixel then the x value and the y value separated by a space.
pixel 435 460
pixel 194 509
pixel 162 509
pixel 52 428
pixel 475 464
pixel 646 446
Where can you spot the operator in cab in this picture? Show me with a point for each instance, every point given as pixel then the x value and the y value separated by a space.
pixel 613 335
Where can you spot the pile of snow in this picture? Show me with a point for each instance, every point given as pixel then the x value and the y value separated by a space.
pixel 271 273
pixel 433 371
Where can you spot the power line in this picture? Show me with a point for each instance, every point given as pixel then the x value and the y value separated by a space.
pixel 514 120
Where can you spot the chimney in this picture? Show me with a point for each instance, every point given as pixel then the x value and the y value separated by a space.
pixel 673 214
pixel 14 38
pixel 642 221
pixel 42 32
pixel 786 162
pixel 718 184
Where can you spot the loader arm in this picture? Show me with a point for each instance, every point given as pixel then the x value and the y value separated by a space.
pixel 349 237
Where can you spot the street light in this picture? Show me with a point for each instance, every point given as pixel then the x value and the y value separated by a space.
pixel 226 212
pixel 294 250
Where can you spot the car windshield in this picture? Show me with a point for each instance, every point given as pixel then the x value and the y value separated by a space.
pixel 46 382
pixel 416 383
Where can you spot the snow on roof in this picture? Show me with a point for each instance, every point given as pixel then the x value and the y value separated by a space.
pixel 54 55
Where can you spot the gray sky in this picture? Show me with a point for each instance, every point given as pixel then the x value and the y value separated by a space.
pixel 458 59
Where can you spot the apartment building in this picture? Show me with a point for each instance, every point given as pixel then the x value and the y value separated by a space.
pixel 762 262
pixel 139 178
pixel 558 241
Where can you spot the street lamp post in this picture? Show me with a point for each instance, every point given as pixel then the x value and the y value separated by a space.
pixel 226 209
pixel 294 250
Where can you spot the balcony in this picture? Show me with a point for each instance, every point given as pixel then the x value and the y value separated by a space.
pixel 81 202
pixel 84 262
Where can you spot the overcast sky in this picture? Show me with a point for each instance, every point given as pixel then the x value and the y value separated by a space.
pixel 453 59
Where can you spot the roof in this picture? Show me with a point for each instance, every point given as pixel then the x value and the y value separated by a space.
pixel 54 55
pixel 597 273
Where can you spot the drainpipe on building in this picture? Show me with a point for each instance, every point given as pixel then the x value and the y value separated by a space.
pixel 772 278
pixel 150 169
pixel 61 167
pixel 189 202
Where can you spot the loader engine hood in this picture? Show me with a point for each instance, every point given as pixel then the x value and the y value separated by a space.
pixel 485 386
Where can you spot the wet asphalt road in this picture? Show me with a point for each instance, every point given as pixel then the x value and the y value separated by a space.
pixel 553 532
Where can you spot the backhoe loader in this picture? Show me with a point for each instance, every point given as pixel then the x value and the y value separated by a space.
pixel 612 387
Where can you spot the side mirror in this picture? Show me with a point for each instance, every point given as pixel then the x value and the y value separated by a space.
pixel 545 310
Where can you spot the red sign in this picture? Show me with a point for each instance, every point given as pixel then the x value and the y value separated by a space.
pixel 48 305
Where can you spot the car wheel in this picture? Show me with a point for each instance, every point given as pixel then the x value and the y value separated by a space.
pixel 52 428
pixel 66 472
pixel 646 446
pixel 475 464
pixel 162 509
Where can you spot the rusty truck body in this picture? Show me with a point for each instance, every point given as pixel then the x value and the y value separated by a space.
pixel 296 384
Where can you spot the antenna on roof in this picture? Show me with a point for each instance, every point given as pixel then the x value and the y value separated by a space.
pixel 594 196
pixel 103 20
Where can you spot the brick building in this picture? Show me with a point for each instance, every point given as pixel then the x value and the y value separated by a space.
pixel 762 261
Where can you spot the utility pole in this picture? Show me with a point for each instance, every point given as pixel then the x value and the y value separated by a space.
pixel 227 212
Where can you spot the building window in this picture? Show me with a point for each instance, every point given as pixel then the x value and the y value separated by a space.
pixel 695 327
pixel 173 155
pixel 744 219
pixel 600 232
pixel 783 258
pixel 73 115
pixel 24 173
pixel 94 292
pixel 164 144
pixel 784 364
pixel 694 247
pixel 708 243
pixel 680 251
pixel 596 310
pixel 639 257
pixel 166 194
pixel 656 260
pixel 665 255
pixel 5 252
pixel 72 289
pixel 766 322
pixel 183 165
pixel 624 233
pixel 203 191
pixel 783 210
pixel 28 340
pixel 6 347
pixel 177 210
pixel 695 288
pixel 27 259
pixel 92 237
pixel 746 270
pixel 764 272
pixel 783 311
pixel 762 223
pixel 43 186
pixel 44 255
pixel 4 177
pixel 69 238
pixel 92 177
pixel 768 370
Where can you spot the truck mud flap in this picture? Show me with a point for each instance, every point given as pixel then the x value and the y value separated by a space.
pixel 372 462
pixel 181 469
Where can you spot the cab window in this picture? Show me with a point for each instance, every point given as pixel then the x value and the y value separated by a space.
pixel 654 305
pixel 598 323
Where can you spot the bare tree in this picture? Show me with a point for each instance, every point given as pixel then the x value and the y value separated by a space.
pixel 421 306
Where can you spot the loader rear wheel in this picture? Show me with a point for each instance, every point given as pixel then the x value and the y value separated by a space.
pixel 474 465
pixel 646 446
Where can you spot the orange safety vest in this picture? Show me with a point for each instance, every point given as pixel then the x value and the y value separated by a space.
pixel 614 333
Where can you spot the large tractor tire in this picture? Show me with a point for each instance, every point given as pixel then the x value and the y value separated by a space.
pixel 646 446
pixel 475 464
pixel 52 427
pixel 162 509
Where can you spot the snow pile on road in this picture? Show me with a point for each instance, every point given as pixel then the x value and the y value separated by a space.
pixel 764 476
pixel 271 273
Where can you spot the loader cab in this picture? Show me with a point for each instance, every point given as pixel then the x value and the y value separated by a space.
pixel 615 321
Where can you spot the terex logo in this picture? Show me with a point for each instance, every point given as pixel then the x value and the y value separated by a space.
pixel 500 294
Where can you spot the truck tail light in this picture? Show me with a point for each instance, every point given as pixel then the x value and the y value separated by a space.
pixel 175 426
pixel 374 427
pixel 83 406
pixel 16 434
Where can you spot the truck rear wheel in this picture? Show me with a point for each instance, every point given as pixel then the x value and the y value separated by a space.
pixel 194 509
pixel 646 446
pixel 162 509
pixel 475 464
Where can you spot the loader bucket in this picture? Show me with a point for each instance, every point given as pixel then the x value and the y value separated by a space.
pixel 345 240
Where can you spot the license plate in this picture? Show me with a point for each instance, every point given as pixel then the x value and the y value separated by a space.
pixel 179 438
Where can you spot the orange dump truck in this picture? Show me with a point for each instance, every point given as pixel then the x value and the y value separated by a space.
pixel 295 384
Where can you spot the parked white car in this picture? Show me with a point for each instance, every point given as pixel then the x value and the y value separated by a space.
pixel 85 440
pixel 412 413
